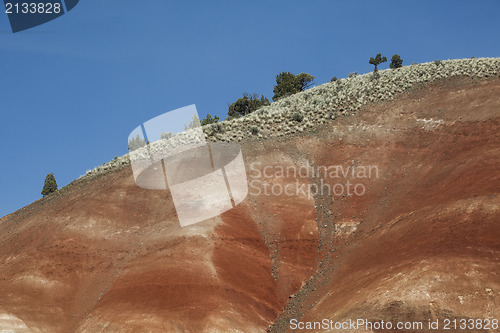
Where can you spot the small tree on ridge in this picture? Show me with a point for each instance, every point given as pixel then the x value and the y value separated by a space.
pixel 246 105
pixel 209 120
pixel 377 61
pixel 288 84
pixel 50 184
pixel 396 61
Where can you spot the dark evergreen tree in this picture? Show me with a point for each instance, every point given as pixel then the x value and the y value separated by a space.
pixel 50 184
pixel 209 120
pixel 246 105
pixel 396 62
pixel 305 80
pixel 288 84
pixel 377 61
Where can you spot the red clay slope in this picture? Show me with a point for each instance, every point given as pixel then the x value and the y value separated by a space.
pixel 422 243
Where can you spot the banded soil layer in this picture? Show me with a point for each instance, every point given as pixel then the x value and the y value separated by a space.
pixel 421 242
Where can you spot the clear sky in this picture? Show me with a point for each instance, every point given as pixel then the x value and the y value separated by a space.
pixel 73 89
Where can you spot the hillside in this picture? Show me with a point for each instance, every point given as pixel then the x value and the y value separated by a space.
pixel 104 255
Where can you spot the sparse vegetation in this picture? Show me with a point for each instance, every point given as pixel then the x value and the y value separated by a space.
pixel 254 130
pixel 437 62
pixel 377 61
pixel 165 135
pixel 136 143
pixel 213 129
pixel 288 84
pixel 352 74
pixel 193 123
pixel 333 79
pixel 50 185
pixel 329 101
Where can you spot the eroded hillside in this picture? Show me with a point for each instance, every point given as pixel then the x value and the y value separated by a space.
pixel 420 243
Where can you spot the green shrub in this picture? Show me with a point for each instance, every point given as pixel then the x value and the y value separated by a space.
pixel 212 129
pixel 437 62
pixel 352 74
pixel 288 84
pixel 218 128
pixel 246 105
pixel 396 62
pixel 262 111
pixel 254 130
pixel 209 120
pixel 333 79
pixel 297 116
pixel 50 184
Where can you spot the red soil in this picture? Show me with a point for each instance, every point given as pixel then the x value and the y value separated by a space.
pixel 422 243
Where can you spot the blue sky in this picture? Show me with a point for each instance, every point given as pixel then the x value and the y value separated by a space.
pixel 73 89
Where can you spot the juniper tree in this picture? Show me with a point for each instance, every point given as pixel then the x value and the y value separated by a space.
pixel 377 61
pixel 50 184
pixel 396 61
pixel 288 84
pixel 246 105
pixel 209 120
